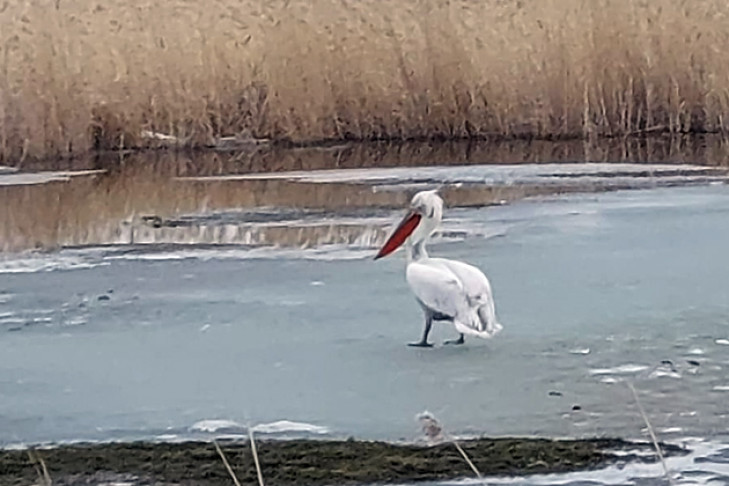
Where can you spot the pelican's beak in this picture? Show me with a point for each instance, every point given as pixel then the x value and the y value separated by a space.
pixel 398 237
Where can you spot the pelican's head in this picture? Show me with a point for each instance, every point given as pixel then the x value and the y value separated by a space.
pixel 422 219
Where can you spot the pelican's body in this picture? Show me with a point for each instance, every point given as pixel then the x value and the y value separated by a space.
pixel 447 290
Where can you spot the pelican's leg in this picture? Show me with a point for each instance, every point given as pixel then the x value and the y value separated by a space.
pixel 460 340
pixel 423 343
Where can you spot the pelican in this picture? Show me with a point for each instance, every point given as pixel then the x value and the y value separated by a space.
pixel 447 290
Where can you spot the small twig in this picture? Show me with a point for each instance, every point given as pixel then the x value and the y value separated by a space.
pixel 35 464
pixel 652 433
pixel 468 459
pixel 255 456
pixel 36 459
pixel 46 475
pixel 225 461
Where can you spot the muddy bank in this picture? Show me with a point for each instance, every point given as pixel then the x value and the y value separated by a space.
pixel 315 462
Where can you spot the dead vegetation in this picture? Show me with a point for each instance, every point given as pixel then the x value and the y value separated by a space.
pixel 316 462
pixel 82 74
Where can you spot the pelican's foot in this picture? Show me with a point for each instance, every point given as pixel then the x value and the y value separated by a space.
pixel 421 344
pixel 460 340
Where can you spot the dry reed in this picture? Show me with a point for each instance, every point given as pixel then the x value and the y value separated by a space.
pixel 226 463
pixel 254 451
pixel 652 434
pixel 43 476
pixel 82 74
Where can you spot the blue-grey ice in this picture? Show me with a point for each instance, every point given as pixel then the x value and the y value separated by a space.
pixel 592 290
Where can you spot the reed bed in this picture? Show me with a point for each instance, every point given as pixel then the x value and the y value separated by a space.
pixel 82 74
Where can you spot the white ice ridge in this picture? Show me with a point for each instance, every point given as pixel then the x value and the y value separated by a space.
pixel 278 427
pixel 503 174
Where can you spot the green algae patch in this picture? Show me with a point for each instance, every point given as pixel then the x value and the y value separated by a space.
pixel 313 462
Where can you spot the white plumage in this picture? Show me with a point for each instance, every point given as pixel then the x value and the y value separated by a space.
pixel 447 290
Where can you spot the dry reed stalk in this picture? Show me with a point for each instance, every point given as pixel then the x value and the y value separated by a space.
pixel 467 459
pixel 43 475
pixel 652 433
pixel 254 450
pixel 227 464
pixel 35 466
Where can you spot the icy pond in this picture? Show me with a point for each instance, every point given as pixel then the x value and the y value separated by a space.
pixel 175 341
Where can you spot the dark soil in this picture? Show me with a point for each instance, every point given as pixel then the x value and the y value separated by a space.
pixel 310 462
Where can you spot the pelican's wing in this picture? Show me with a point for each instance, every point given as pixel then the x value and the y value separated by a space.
pixel 437 288
pixel 478 292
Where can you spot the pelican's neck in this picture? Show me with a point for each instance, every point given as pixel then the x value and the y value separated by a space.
pixel 415 245
pixel 416 251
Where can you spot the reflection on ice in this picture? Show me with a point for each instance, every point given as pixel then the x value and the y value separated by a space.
pixel 138 205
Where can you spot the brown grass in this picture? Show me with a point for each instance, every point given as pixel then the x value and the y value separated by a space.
pixel 79 74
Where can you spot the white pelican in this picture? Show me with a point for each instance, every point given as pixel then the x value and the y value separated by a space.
pixel 447 290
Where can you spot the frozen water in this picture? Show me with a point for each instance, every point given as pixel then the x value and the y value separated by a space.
pixel 592 290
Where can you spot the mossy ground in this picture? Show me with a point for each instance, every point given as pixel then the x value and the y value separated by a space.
pixel 310 462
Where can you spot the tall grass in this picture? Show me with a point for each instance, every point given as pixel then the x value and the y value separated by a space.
pixel 79 74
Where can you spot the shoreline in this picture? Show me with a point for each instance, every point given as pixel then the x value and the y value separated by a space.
pixel 317 462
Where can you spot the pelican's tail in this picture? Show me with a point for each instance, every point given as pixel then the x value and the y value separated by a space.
pixel 495 328
pixel 471 330
pixel 481 323
pixel 489 322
